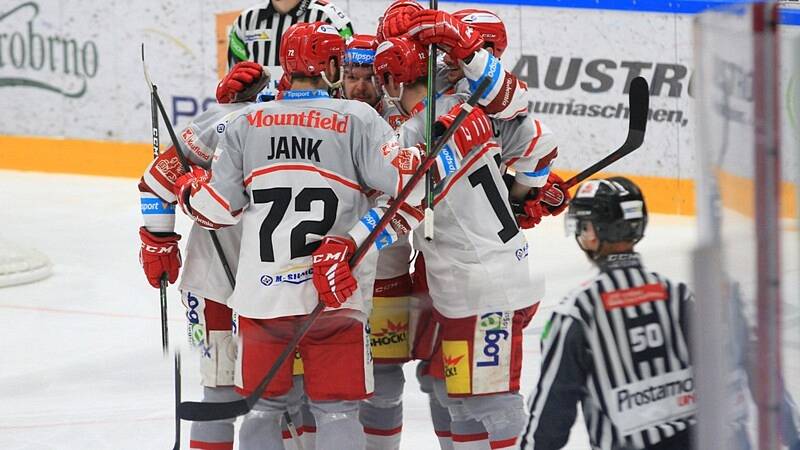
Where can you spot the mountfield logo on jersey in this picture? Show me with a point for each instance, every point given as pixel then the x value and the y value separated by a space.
pixel 310 119
pixel 50 62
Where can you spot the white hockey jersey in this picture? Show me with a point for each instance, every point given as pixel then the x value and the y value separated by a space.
pixel 295 170
pixel 202 272
pixel 478 259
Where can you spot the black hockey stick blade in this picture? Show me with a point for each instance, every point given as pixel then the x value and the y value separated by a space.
pixel 638 106
pixel 207 411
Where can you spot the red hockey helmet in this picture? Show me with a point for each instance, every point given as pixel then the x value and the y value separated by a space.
pixel 402 58
pixel 398 7
pixel 306 48
pixel 488 24
pixel 361 50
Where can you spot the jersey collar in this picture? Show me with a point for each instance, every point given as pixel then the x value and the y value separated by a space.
pixel 619 261
pixel 419 107
pixel 303 94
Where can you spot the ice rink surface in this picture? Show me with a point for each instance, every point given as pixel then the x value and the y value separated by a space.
pixel 80 352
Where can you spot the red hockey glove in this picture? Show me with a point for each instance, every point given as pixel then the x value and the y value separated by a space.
pixel 188 183
pixel 332 277
pixel 475 130
pixel 159 255
pixel 245 80
pixel 397 19
pixel 551 200
pixel 552 196
pixel 455 37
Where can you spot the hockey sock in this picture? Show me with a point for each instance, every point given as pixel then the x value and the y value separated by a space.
pixel 261 428
pixel 382 414
pixel 337 425
pixel 217 435
pixel 469 435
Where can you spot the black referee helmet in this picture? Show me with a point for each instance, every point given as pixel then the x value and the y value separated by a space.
pixel 614 206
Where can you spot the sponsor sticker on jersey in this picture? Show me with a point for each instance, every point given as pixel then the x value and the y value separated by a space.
pixel 633 296
pixel 656 400
pixel 194 143
pixel 156 206
pixel 256 35
pixel 388 323
pixel 406 161
pixel 292 275
pixel 456 366
pixel 522 252
pixel 196 328
pixel 309 119
pixel 492 354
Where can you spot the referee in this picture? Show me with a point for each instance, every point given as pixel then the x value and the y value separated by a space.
pixel 619 344
pixel 256 33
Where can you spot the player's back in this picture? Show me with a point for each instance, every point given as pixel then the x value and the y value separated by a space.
pixel 478 259
pixel 303 167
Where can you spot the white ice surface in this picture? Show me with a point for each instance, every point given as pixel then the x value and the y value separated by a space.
pixel 80 353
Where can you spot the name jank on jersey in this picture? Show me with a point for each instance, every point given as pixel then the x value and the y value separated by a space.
pixel 300 148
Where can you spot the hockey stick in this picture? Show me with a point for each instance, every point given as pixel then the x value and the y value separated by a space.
pixel 177 400
pixel 162 283
pixel 638 106
pixel 430 118
pixel 201 411
pixel 214 238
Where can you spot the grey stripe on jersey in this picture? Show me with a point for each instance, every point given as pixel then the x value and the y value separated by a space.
pixel 621 356
pixel 261 28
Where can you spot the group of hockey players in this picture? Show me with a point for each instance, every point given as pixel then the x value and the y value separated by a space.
pixel 316 131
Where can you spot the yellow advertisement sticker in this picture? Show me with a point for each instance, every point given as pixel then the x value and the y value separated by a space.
pixel 388 326
pixel 456 366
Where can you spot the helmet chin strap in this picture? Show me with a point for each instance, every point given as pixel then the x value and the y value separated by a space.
pixel 332 86
pixel 396 100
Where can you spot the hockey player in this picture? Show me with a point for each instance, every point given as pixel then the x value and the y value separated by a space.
pixel 618 340
pixel 297 172
pixel 390 337
pixel 257 33
pixel 204 286
pixel 477 271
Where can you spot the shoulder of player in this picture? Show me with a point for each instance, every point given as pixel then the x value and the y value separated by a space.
pixel 679 289
pixel 583 297
pixel 252 10
pixel 360 111
pixel 235 114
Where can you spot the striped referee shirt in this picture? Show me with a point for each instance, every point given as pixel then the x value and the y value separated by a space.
pixel 619 346
pixel 256 33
